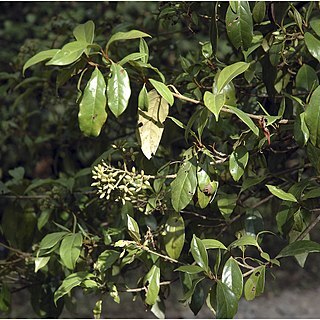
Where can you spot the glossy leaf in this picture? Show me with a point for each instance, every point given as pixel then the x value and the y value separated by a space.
pixel 163 90
pixel 151 123
pixel 312 117
pixel 245 118
pixel 70 282
pixel 118 89
pixel 70 249
pixel 254 286
pixel 232 277
pixel 69 53
pixel 315 25
pixel 286 196
pixel 238 162
pixel 192 288
pixel 106 259
pixel 132 57
pixel 214 102
pixel 174 235
pixel 226 203
pixel 153 287
pixel 84 32
pixel 199 253
pixel 299 247
pixel 51 239
pixel 213 244
pixel 227 302
pixel 301 131
pixel 245 240
pixel 307 78
pixel 92 110
pixel 144 49
pixel 190 269
pixel 183 186
pixel 41 56
pixel 143 101
pixel 228 73
pixel 240 25
pixel 253 222
pixel 197 300
pixel 133 229
pixel 313 45
pixel 259 11
pixel 40 262
pixel 132 34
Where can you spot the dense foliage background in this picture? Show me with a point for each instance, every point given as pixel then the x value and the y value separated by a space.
pixel 199 128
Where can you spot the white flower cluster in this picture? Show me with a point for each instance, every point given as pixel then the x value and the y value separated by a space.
pixel 121 185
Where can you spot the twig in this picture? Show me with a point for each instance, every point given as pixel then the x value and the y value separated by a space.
pixel 310 226
pixel 24 254
pixel 161 255
pixel 144 288
pixel 178 95
pixel 262 201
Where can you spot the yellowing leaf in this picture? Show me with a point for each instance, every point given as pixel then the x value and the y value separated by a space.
pixel 151 123
pixel 92 113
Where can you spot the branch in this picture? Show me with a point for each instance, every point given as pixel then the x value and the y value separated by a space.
pixel 144 288
pixel 178 95
pixel 310 226
pixel 161 255
pixel 17 251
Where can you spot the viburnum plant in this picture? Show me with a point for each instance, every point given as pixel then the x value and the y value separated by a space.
pixel 223 143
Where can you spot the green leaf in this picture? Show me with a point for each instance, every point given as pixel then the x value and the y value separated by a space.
pixel 153 287
pixel 299 247
pixel 73 280
pixel 174 235
pixel 190 269
pixel 301 131
pixel 214 102
pixel 183 186
pixel 307 78
pixel 51 239
pixel 253 222
pixel 191 290
pixel 133 229
pixel 313 45
pixel 151 123
pixel 92 112
pixel 199 253
pixel 132 34
pixel 84 32
pixel 143 101
pixel 240 25
pixel 197 300
pixel 228 73
pixel 259 11
pixel 70 249
pixel 227 203
pixel 40 262
pixel 245 118
pixel 254 286
pixel 5 298
pixel 213 244
pixel 132 57
pixel 245 240
pixel 163 90
pixel 312 117
pixel 238 162
pixel 159 309
pixel 118 90
pixel 315 25
pixel 106 259
pixel 232 277
pixel 286 196
pixel 144 49
pixel 41 56
pixel 70 53
pixel 43 218
pixel 227 302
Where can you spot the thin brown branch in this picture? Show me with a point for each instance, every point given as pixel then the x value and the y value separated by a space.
pixel 310 226
pixel 17 251
pixel 144 288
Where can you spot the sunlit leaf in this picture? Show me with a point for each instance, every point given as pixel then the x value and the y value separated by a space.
pixel 163 90
pixel 92 110
pixel 84 32
pixel 118 89
pixel 227 302
pixel 313 45
pixel 41 56
pixel 286 196
pixel 299 247
pixel 153 280
pixel 70 249
pixel 174 235
pixel 238 162
pixel 199 253
pixel 214 102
